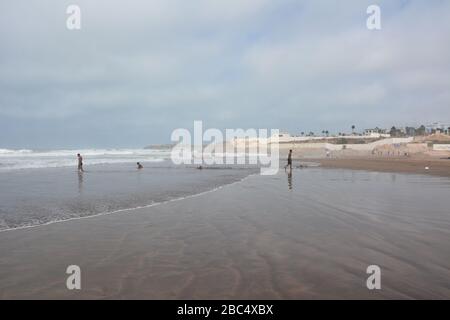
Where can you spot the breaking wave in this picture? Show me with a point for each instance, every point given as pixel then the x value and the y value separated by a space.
pixel 34 159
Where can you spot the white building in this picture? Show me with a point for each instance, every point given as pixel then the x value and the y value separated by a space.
pixel 376 133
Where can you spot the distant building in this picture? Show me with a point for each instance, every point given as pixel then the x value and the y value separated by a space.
pixel 376 133
pixel 368 132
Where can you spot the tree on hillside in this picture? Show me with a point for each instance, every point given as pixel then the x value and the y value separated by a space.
pixel 394 132
pixel 421 130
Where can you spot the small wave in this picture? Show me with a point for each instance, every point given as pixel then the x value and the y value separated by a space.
pixel 84 152
pixel 10 151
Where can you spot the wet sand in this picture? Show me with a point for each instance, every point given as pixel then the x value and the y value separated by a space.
pixel 438 167
pixel 306 236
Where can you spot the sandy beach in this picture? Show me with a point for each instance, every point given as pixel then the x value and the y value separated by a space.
pixel 438 167
pixel 310 235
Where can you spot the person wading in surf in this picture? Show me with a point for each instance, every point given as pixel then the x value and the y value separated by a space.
pixel 289 161
pixel 80 163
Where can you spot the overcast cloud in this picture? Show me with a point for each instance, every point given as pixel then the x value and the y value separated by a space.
pixel 139 69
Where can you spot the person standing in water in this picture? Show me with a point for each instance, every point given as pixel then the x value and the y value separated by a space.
pixel 139 166
pixel 289 161
pixel 80 163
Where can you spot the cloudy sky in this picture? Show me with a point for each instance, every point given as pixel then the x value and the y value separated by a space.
pixel 139 69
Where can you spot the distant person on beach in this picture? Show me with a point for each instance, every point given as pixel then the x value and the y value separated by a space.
pixel 289 161
pixel 139 166
pixel 80 163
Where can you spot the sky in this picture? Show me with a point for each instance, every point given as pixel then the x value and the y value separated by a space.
pixel 137 70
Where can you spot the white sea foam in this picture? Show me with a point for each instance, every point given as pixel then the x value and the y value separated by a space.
pixel 34 159
pixel 9 151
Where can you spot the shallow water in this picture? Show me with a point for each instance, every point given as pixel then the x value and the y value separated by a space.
pixel 36 196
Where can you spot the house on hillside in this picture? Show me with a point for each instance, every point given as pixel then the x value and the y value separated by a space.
pixel 376 133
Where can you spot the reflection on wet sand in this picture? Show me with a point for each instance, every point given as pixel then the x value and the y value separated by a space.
pixel 289 175
pixel 80 182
